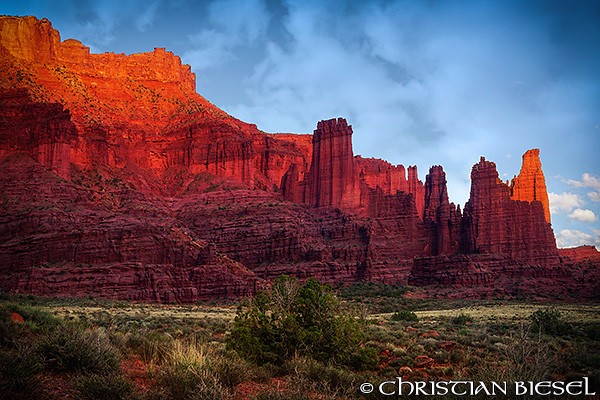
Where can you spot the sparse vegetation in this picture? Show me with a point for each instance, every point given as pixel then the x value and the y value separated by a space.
pixel 104 387
pixel 95 349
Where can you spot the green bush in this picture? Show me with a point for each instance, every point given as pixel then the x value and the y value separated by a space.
pixel 104 387
pixel 462 319
pixel 72 349
pixel 550 321
pixel 294 319
pixel 18 372
pixel 405 315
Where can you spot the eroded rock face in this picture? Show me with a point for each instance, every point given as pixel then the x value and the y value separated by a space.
pixel 376 173
pixel 530 185
pixel 580 254
pixel 494 223
pixel 64 239
pixel 44 130
pixel 29 38
pixel 474 270
pixel 332 177
pixel 442 218
pixel 119 180
pixel 138 111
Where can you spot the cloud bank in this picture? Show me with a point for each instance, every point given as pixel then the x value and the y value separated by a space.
pixel 564 202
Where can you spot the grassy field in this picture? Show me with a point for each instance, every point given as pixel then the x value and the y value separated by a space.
pixel 100 349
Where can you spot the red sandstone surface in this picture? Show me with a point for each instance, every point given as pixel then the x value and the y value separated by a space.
pixel 119 180
pixel 580 254
pixel 530 185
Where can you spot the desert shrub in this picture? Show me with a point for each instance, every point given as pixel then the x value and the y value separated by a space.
pixel 185 375
pixel 262 374
pixel 462 319
pixel 36 320
pixel 550 322
pixel 592 331
pixel 404 315
pixel 230 370
pixel 330 378
pixel 73 349
pixel 153 347
pixel 104 387
pixel 528 357
pixel 18 372
pixel 299 319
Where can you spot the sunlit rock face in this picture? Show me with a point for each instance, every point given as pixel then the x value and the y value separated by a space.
pixel 530 184
pixel 494 223
pixel 119 180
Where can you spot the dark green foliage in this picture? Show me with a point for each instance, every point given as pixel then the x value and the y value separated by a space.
pixel 462 319
pixel 299 319
pixel 371 289
pixel 72 349
pixel 104 387
pixel 550 322
pixel 405 315
pixel 592 331
pixel 18 371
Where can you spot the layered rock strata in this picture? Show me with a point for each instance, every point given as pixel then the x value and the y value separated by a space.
pixel 494 223
pixel 119 180
pixel 530 185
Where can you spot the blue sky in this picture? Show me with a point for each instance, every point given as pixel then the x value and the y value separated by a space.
pixel 422 82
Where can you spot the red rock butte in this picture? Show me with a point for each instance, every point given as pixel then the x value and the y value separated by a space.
pixel 118 180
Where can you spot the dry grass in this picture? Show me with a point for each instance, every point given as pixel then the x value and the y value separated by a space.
pixel 508 312
pixel 146 311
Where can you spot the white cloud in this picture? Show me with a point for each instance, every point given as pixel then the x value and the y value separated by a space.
pixel 594 196
pixel 564 202
pixel 573 237
pixel 147 16
pixel 231 24
pixel 583 215
pixel 587 180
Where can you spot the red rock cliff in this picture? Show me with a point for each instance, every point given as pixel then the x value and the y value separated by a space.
pixel 494 223
pixel 332 179
pixel 530 185
pixel 139 112
pixel 442 217
pixel 376 173
pixel 162 196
